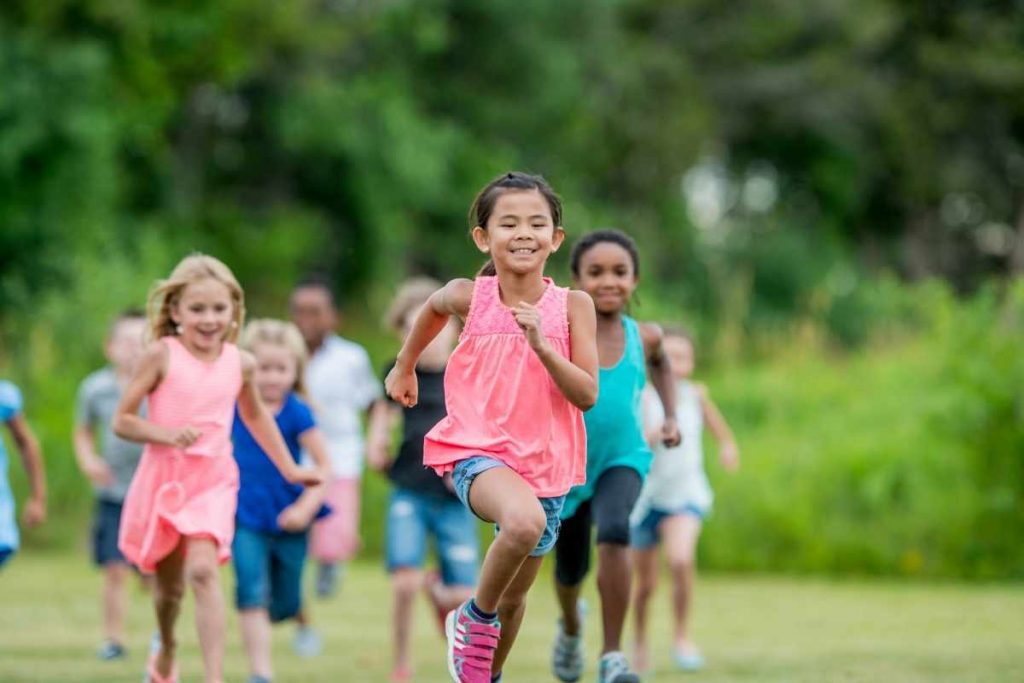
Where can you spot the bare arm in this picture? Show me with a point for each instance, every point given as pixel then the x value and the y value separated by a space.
pixel 728 451
pixel 89 461
pixel 383 417
pixel 452 299
pixel 660 370
pixel 299 515
pixel 32 457
pixel 127 422
pixel 576 376
pixel 261 425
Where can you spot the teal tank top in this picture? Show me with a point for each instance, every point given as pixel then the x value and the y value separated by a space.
pixel 615 435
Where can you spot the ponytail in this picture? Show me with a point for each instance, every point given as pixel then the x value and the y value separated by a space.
pixel 487 270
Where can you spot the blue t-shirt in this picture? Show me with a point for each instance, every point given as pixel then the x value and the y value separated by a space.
pixel 263 493
pixel 10 408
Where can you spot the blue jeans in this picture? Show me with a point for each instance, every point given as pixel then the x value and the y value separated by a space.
pixel 268 571
pixel 469 469
pixel 413 516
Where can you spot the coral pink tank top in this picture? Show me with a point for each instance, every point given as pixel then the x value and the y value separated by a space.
pixel 503 403
pixel 199 394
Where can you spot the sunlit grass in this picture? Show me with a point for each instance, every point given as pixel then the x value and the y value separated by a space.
pixel 751 629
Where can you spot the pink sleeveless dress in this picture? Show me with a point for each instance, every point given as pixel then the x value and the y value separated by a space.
pixel 503 403
pixel 190 492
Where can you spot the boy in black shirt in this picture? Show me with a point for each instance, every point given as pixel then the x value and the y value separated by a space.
pixel 422 504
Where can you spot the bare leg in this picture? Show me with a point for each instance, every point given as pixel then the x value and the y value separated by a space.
pixel 115 578
pixel 255 625
pixel 512 608
pixel 614 576
pixel 405 583
pixel 448 598
pixel 201 573
pixel 645 565
pixel 568 601
pixel 500 495
pixel 167 594
pixel 679 535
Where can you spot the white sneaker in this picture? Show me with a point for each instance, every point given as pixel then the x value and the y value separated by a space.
pixel 306 642
pixel 567 657
pixel 614 668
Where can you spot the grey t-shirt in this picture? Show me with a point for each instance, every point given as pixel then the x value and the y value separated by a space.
pixel 98 396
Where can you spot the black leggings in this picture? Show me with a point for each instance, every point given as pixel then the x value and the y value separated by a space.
pixel 615 492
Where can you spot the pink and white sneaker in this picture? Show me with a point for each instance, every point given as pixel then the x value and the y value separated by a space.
pixel 471 645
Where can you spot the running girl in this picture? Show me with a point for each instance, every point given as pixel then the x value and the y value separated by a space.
pixel 513 439
pixel 606 266
pixel 179 512
pixel 13 417
pixel 274 516
pixel 675 501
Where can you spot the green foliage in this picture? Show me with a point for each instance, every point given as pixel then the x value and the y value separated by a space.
pixel 903 457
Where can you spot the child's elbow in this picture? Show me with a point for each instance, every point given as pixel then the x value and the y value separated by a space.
pixel 587 398
pixel 120 427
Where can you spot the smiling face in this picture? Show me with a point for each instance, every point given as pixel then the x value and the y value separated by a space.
pixel 520 233
pixel 204 312
pixel 607 274
pixel 276 372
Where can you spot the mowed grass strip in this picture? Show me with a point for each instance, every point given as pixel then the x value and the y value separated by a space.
pixel 751 629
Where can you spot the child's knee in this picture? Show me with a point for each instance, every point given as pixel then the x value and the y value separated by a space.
pixel 406 583
pixel 679 564
pixel 524 527
pixel 614 532
pixel 201 574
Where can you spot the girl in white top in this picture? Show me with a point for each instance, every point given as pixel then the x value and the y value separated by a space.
pixel 676 498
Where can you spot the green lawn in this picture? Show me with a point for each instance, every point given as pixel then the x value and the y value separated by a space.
pixel 751 628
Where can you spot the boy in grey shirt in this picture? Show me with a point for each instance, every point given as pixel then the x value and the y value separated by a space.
pixel 110 469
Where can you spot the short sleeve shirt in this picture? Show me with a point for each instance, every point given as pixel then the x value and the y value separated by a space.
pixel 263 492
pixel 342 386
pixel 98 396
pixel 10 408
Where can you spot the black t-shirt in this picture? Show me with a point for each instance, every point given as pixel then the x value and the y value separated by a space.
pixel 407 470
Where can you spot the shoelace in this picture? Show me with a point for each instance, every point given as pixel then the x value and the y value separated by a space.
pixel 477 650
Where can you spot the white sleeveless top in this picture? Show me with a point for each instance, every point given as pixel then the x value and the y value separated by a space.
pixel 677 479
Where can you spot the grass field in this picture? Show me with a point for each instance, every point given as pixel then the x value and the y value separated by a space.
pixel 751 629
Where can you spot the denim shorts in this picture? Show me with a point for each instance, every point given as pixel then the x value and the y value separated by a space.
pixel 644 534
pixel 268 571
pixel 105 526
pixel 469 469
pixel 412 517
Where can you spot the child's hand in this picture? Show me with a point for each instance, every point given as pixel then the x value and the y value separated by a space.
pixel 293 518
pixel 34 513
pixel 449 483
pixel 402 386
pixel 377 455
pixel 528 318
pixel 184 437
pixel 98 472
pixel 670 432
pixel 304 476
pixel 729 454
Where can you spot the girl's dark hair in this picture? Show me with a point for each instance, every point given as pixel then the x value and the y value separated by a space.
pixel 592 239
pixel 513 181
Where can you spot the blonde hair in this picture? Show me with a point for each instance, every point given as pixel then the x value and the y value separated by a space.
pixel 285 335
pixel 165 294
pixel 412 294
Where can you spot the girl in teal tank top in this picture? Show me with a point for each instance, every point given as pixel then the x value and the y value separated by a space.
pixel 614 425
pixel 605 265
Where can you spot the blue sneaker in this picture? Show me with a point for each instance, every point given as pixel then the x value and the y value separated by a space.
pixel 110 650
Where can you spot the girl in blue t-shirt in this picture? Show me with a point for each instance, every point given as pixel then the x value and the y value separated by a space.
pixel 274 516
pixel 28 448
